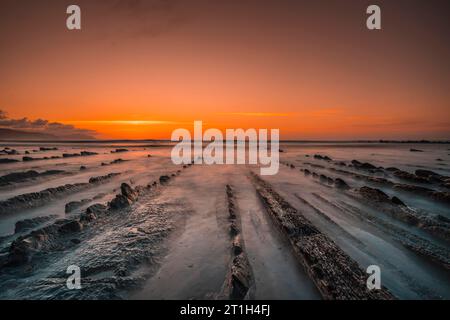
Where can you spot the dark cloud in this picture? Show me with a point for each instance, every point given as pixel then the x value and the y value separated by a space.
pixel 44 126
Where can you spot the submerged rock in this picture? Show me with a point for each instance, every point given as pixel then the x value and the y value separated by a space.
pixel 128 192
pixel 47 149
pixel 120 202
pixel 119 150
pixel 71 226
pixel 8 160
pixel 164 179
pixel 341 184
pixel 409 176
pixel 374 194
pixel 24 225
pixel 364 166
pixel 71 206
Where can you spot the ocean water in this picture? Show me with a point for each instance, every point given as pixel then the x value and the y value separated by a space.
pixel 190 261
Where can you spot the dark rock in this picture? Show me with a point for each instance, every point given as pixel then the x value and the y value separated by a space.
pixel 307 172
pixel 117 161
pixel 71 226
pixel 415 150
pixel 320 157
pixel 18 177
pixel 71 155
pixel 128 192
pixel 71 206
pixel 409 176
pixel 392 169
pixel 31 223
pixel 397 201
pixel 364 166
pixel 374 194
pixel 88 153
pixel 341 184
pixel 119 150
pixel 82 168
pixel 426 173
pixel 102 178
pixel 30 159
pixel 119 202
pixel 164 179
pixel 76 241
pixel 8 160
pixel 48 149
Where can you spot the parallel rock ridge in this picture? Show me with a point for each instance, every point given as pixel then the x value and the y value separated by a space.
pixel 240 277
pixel 336 275
pixel 35 199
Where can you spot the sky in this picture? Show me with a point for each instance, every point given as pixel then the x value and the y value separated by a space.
pixel 140 69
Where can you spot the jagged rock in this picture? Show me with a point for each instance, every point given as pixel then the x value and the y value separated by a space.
pixel 9 151
pixel 71 226
pixel 34 199
pixel 237 245
pixel 409 176
pixel 47 149
pixel 128 192
pixel 164 179
pixel 441 196
pixel 88 153
pixel 8 160
pixel 70 155
pixel 25 159
pixel 18 176
pixel 102 178
pixel 119 150
pixel 240 278
pixel 341 184
pixel 374 194
pixel 31 223
pixel 97 209
pixel 71 206
pixel 397 201
pixel 413 189
pixel 336 274
pixel 119 202
pixel 320 157
pixel 364 166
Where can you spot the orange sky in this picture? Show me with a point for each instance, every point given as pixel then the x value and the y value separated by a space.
pixel 140 69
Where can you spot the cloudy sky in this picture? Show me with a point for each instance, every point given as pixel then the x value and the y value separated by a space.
pixel 139 69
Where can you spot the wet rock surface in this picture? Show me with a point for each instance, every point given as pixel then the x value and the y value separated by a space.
pixel 31 200
pixel 16 177
pixel 239 278
pixel 24 225
pixel 335 274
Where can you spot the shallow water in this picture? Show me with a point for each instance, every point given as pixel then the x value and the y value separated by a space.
pixel 193 260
